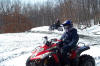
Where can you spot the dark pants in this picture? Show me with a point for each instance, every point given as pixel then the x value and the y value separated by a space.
pixel 65 54
pixel 65 50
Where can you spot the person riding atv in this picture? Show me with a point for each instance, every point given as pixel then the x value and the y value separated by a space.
pixel 56 26
pixel 68 40
pixel 63 52
pixel 49 55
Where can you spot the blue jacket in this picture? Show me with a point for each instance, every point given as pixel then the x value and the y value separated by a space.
pixel 70 38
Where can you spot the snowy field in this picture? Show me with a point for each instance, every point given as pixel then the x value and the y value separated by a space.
pixel 15 48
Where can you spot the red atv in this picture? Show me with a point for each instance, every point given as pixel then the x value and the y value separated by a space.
pixel 49 55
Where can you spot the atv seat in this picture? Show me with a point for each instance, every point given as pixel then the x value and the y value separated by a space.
pixel 72 50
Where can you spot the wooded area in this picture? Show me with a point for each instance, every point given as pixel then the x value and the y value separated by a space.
pixel 16 16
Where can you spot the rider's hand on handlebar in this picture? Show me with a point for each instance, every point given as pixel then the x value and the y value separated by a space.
pixel 60 44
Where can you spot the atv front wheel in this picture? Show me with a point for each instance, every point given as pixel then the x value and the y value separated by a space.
pixel 45 62
pixel 51 28
pixel 86 60
pixel 28 62
pixel 42 63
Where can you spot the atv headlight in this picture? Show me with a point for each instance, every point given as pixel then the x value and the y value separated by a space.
pixel 45 55
pixel 36 52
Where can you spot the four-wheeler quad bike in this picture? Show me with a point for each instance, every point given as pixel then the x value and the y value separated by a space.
pixel 49 55
pixel 54 27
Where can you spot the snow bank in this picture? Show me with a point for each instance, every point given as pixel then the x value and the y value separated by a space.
pixel 94 30
pixel 42 28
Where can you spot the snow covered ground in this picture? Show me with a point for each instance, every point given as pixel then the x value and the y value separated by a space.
pixel 94 30
pixel 15 48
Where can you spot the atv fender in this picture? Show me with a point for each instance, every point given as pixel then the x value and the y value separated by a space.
pixel 82 49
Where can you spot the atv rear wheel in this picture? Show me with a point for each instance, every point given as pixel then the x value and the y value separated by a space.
pixel 86 60
pixel 60 29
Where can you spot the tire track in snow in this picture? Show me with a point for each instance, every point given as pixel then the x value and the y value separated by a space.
pixel 2 59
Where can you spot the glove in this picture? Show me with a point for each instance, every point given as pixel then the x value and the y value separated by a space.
pixel 60 44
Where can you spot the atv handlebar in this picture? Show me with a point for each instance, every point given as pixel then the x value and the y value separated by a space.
pixel 81 43
pixel 53 40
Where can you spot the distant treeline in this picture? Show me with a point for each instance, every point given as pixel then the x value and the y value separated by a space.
pixel 16 16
